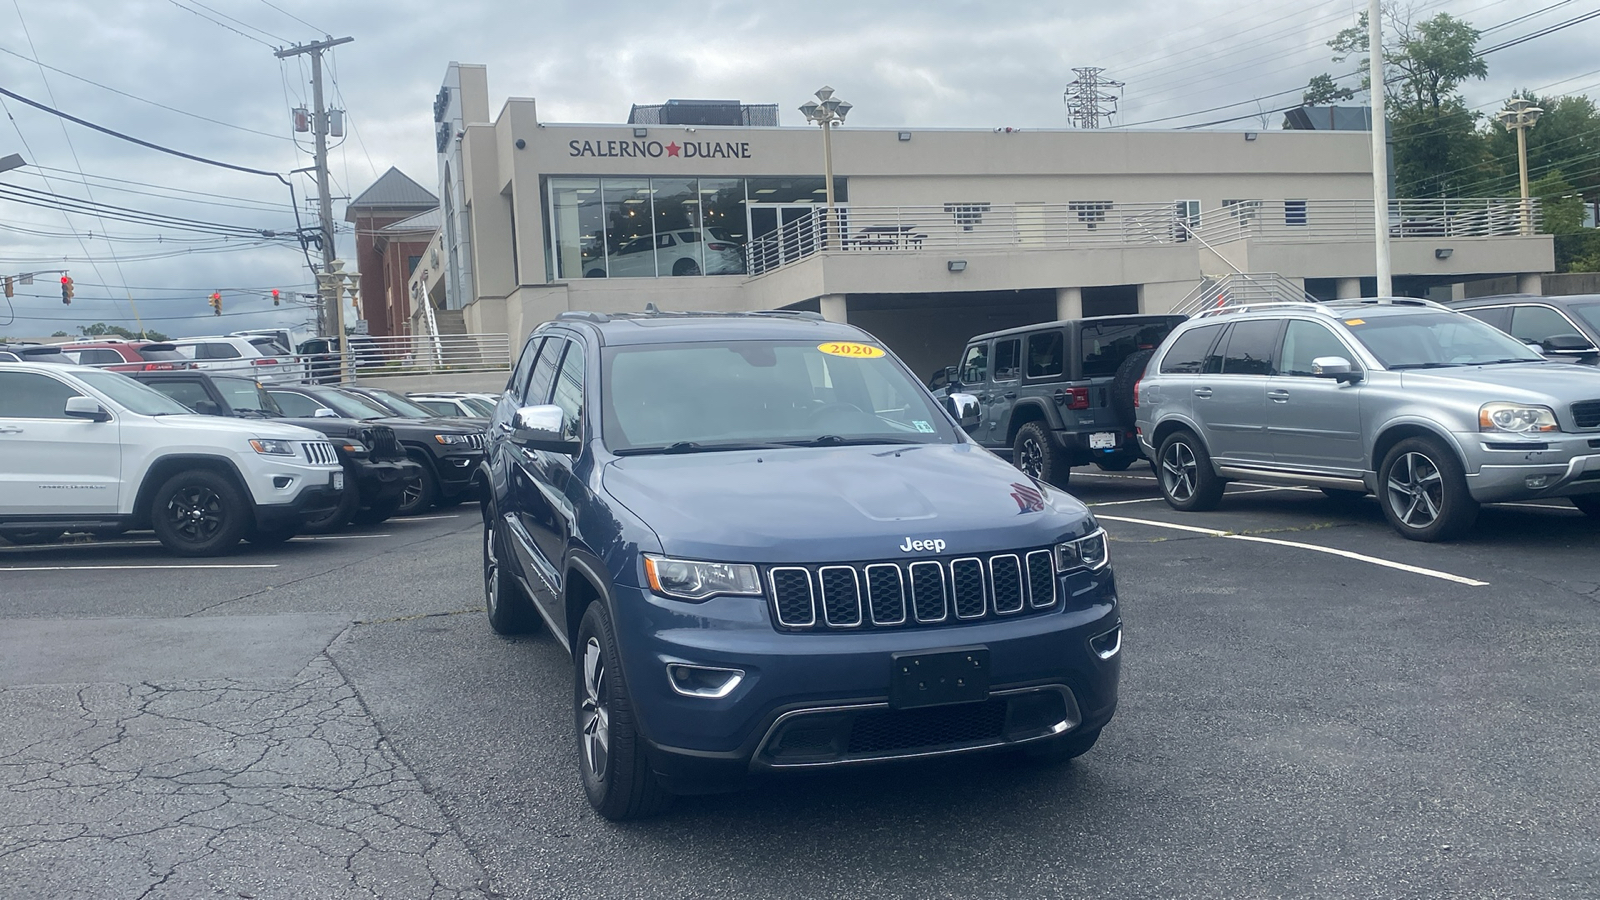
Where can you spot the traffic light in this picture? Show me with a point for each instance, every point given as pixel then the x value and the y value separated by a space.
pixel 67 290
pixel 216 303
pixel 274 296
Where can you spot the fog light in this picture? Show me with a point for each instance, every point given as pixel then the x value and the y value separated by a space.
pixel 1536 482
pixel 1108 644
pixel 281 481
pixel 708 682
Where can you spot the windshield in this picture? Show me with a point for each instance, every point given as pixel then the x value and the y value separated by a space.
pixel 480 406
pixel 245 396
pixel 1430 340
pixel 351 406
pixel 1589 313
pixel 132 395
pixel 725 395
pixel 400 404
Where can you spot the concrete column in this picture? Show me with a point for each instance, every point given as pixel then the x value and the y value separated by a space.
pixel 1458 291
pixel 1069 303
pixel 1530 283
pixel 1347 289
pixel 834 308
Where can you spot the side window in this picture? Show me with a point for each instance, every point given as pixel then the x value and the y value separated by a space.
pixel 569 392
pixel 29 395
pixel 1498 316
pixel 1187 355
pixel 1045 357
pixel 295 406
pixel 975 364
pixel 1007 362
pixel 544 371
pixel 519 377
pixel 185 392
pixel 1303 342
pixel 1538 323
pixel 1252 347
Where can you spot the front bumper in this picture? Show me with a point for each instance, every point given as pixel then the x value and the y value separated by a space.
pixel 381 480
pixel 1501 469
pixel 1045 680
pixel 312 499
pixel 456 471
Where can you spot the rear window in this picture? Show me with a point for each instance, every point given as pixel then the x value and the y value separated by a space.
pixel 1104 345
pixel 159 352
pixel 1187 355
pixel 1044 354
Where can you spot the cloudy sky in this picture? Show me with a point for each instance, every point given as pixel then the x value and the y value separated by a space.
pixel 200 76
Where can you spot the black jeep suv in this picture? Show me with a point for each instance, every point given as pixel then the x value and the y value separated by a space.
pixel 768 548
pixel 1060 394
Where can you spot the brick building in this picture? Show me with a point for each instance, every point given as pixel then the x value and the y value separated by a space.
pixel 394 220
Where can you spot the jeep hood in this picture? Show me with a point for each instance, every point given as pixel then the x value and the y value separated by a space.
pixel 829 504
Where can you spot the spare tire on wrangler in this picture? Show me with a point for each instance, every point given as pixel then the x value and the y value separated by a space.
pixel 1128 374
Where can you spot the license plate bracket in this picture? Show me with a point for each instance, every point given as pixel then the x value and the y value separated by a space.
pixel 1103 440
pixel 338 481
pixel 960 675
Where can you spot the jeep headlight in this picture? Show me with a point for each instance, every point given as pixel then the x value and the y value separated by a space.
pixel 448 439
pixel 1089 552
pixel 273 448
pixel 689 580
pixel 1516 418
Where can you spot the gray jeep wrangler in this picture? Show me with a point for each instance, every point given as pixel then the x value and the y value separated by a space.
pixel 1059 394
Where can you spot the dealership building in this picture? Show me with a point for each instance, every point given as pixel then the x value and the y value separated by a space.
pixel 937 234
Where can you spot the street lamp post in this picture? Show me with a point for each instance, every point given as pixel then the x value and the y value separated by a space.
pixel 827 111
pixel 1519 115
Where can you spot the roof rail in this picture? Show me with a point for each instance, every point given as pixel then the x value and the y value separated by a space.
pixel 806 314
pixel 1387 301
pixel 581 315
pixel 1252 307
pixel 651 311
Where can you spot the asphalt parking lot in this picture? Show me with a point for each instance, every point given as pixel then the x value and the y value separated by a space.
pixel 1311 707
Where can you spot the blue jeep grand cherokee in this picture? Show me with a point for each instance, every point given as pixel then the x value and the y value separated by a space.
pixel 767 547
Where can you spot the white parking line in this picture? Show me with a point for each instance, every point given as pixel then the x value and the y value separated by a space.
pixel 92 568
pixel 1264 490
pixel 336 537
pixel 1360 557
pixel 1111 475
pixel 422 519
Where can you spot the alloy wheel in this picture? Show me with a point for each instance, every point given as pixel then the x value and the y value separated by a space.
pixel 1179 471
pixel 594 715
pixel 196 513
pixel 491 569
pixel 1030 458
pixel 1416 490
pixel 411 493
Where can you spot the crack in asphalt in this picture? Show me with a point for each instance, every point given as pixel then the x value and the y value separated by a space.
pixel 278 787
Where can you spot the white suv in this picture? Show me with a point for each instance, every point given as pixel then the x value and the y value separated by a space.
pixel 256 357
pixel 86 449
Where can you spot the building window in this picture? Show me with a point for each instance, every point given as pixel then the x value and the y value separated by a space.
pixel 411 265
pixel 1186 215
pixel 1091 213
pixel 967 215
pixel 577 227
pixel 1242 210
pixel 1294 212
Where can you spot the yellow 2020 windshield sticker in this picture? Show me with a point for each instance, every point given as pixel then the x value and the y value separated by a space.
pixel 847 348
pixel 1355 321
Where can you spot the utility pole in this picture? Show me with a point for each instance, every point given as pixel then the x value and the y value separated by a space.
pixel 1380 149
pixel 319 127
pixel 1086 102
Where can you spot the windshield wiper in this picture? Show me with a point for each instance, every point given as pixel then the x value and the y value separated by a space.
pixel 1509 359
pixel 1427 365
pixel 695 447
pixel 834 440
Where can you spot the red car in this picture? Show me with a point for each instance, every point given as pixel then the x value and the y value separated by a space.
pixel 127 356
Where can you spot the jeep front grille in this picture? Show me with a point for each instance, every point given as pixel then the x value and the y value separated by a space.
pixel 924 592
pixel 478 440
pixel 384 444
pixel 321 453
pixel 1586 413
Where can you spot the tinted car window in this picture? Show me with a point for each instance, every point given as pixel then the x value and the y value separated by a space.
pixel 1252 347
pixel 519 378
pixel 218 351
pixel 28 395
pixel 1006 362
pixel 975 364
pixel 1498 316
pixel 1589 312
pixel 1106 345
pixel 1537 323
pixel 438 407
pixel 1187 355
pixel 244 395
pixel 544 372
pixel 1303 342
pixel 569 392
pixel 98 356
pixel 295 405
pixel 1045 356
pixel 186 392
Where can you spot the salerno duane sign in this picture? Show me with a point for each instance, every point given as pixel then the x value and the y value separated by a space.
pixel 657 150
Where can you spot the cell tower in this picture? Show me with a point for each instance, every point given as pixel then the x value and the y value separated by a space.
pixel 1089 98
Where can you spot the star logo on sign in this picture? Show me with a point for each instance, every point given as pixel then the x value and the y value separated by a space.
pixel 673 148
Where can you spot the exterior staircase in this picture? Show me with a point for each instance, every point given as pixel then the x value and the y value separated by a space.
pixel 1239 289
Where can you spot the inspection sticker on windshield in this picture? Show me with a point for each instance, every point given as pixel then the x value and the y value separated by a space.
pixel 922 426
pixel 847 348
pixel 1355 321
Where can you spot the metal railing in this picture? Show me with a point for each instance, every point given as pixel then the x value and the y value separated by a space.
pixel 1240 289
pixel 370 357
pixel 1352 220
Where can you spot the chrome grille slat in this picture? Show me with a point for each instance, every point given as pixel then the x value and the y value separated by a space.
pixel 886 594
pixel 320 453
pixel 1005 580
pixel 841 596
pixel 928 595
pixel 1041 579
pixel 792 596
pixel 967 587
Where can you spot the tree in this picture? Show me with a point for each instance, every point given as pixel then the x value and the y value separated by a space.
pixel 1559 202
pixel 61 334
pixel 1322 91
pixel 101 329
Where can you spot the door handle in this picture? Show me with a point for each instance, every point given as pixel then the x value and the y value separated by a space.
pixel 10 429
pixel 1010 395
pixel 1203 393
pixel 1279 396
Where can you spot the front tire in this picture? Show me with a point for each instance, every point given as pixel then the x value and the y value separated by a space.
pixel 331 520
pixel 199 513
pixel 1037 457
pixel 1188 480
pixel 508 605
pixel 419 492
pixel 686 267
pixel 1424 491
pixel 377 512
pixel 617 777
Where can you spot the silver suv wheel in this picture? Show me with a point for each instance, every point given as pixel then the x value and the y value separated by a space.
pixel 1179 471
pixel 594 715
pixel 1415 490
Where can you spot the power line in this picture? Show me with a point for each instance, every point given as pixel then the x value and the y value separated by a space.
pixel 172 193
pixel 54 200
pixel 239 22
pixel 293 16
pixel 202 15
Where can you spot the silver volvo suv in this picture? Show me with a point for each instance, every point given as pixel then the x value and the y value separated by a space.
pixel 1431 410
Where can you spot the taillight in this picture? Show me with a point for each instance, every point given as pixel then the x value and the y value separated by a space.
pixel 1136 392
pixel 158 367
pixel 264 362
pixel 722 246
pixel 1077 398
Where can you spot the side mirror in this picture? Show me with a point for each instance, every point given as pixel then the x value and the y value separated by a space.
pixel 86 408
pixel 1335 367
pixel 207 408
pixel 1535 346
pixel 539 428
pixel 1568 343
pixel 324 413
pixel 964 407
